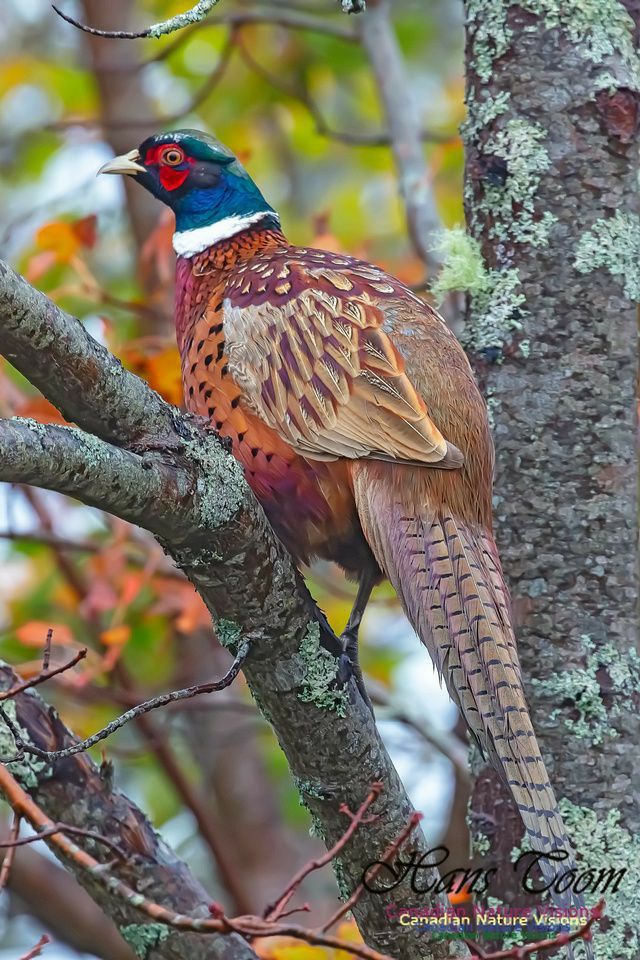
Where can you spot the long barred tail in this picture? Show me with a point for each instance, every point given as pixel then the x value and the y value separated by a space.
pixel 448 577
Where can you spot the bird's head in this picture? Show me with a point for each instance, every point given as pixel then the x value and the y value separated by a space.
pixel 210 192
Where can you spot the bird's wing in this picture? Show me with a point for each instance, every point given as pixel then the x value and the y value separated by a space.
pixel 306 345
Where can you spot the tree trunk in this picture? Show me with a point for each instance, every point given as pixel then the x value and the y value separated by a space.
pixel 551 197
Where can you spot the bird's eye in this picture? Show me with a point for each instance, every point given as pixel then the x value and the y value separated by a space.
pixel 172 156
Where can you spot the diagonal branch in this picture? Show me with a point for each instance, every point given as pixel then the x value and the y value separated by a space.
pixel 74 792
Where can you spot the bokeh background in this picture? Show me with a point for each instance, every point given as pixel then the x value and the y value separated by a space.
pixel 300 107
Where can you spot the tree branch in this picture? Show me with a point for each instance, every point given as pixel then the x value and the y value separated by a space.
pixel 381 45
pixel 73 791
pixel 194 15
pixel 192 496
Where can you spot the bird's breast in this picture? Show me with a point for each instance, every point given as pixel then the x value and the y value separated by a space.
pixel 309 503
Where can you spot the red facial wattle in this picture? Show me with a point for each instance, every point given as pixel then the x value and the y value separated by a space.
pixel 172 177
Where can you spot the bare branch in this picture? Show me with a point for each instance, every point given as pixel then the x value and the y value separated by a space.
pixel 62 828
pixel 45 674
pixel 12 843
pixel 188 693
pixel 37 950
pixel 275 911
pixel 194 15
pixel 73 462
pixel 381 44
pixel 72 794
pixel 79 376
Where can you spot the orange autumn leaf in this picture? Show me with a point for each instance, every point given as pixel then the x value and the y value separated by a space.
pixel 180 600
pixel 161 370
pixel 115 636
pixel 39 264
pixel 86 231
pixel 59 241
pixel 163 374
pixel 34 633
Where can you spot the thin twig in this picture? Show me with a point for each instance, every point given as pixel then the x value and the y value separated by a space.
pixel 247 926
pixel 344 908
pixel 185 694
pixel 46 656
pixel 37 950
pixel 61 828
pixel 194 15
pixel 275 911
pixel 303 96
pixel 202 93
pixel 12 843
pixel 43 676
pixel 395 89
pixel 520 952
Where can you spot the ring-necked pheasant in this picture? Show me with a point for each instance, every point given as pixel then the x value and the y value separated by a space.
pixel 355 415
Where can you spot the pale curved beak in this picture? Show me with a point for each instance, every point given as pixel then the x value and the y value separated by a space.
pixel 127 163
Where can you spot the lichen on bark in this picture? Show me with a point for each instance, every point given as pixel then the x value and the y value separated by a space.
pixel 561 397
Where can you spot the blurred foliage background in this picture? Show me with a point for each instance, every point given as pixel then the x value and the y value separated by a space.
pixel 289 101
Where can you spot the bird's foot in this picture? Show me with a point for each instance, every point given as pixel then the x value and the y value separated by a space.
pixel 349 665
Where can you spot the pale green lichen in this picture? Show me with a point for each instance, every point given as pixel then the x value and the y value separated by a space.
pixel 582 687
pixel 497 312
pixel 463 267
pixel 309 788
pixel 320 674
pixel 29 771
pixel 181 20
pixel 221 486
pixel 481 844
pixel 599 29
pixel 487 21
pixel 497 299
pixel 229 634
pixel 613 244
pixel 316 830
pixel 143 937
pixel 494 405
pixel 343 881
pixel 520 144
pixel 606 845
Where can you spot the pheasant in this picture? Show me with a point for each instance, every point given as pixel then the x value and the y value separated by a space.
pixel 355 415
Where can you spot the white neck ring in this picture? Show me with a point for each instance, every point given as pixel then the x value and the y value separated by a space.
pixel 188 243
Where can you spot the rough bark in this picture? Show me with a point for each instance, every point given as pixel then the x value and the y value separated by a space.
pixel 190 493
pixel 73 791
pixel 551 196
